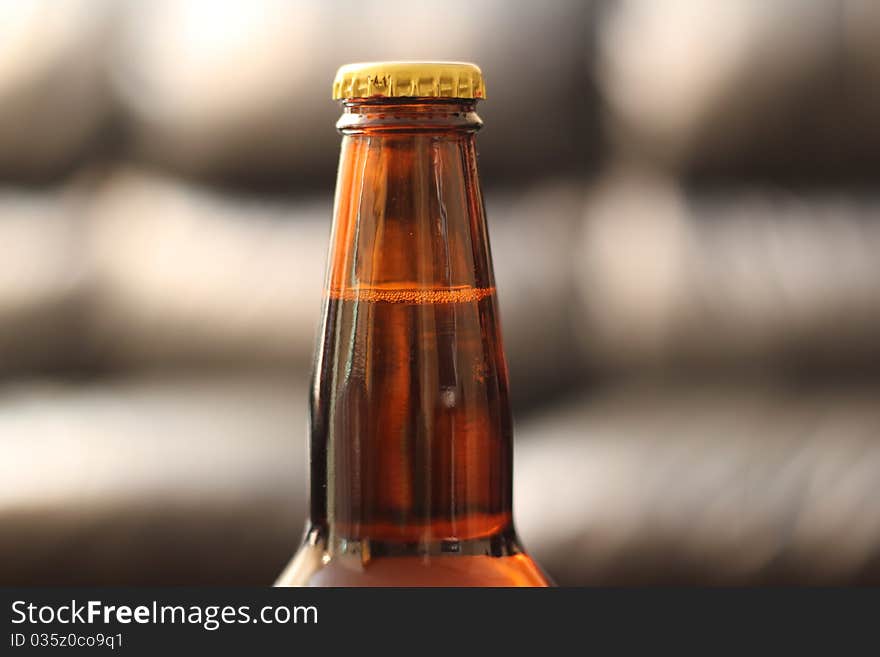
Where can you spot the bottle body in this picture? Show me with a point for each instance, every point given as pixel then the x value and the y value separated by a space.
pixel 411 453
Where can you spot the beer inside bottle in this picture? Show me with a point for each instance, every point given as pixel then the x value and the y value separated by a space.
pixel 411 455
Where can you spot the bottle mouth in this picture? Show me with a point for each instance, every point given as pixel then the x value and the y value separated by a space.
pixel 408 114
pixel 408 100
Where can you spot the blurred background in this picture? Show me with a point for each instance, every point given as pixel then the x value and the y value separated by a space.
pixel 686 230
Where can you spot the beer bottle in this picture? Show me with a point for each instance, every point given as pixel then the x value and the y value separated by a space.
pixel 411 459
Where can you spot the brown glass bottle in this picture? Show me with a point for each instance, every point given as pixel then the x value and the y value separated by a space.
pixel 410 422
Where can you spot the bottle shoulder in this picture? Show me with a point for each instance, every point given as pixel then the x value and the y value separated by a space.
pixel 311 567
pixel 497 560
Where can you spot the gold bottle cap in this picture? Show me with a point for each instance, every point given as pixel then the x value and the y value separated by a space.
pixel 409 79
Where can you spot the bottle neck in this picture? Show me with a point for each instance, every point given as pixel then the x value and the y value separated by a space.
pixel 410 424
pixel 408 215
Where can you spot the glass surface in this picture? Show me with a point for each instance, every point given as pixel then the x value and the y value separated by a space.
pixel 411 456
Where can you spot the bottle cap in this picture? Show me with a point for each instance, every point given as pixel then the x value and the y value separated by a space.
pixel 409 79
